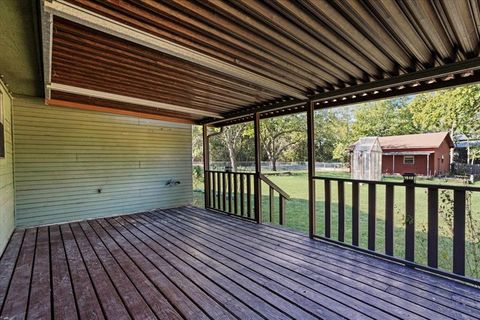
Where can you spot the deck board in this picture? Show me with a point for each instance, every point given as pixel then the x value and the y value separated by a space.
pixel 345 258
pixel 40 291
pixel 344 276
pixel 193 264
pixel 16 302
pixel 286 272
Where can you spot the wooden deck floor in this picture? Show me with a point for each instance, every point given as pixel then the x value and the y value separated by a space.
pixel 189 263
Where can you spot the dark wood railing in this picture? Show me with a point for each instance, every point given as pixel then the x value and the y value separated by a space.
pixel 432 195
pixel 282 196
pixel 234 193
pixel 231 192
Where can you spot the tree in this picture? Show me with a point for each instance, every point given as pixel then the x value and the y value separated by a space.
pixel 383 118
pixel 455 110
pixel 332 134
pixel 280 133
pixel 232 136
pixel 197 143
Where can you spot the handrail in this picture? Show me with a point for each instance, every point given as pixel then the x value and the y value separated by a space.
pixel 394 183
pixel 232 172
pixel 271 184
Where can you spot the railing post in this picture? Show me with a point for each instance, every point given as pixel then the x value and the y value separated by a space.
pixel 459 198
pixel 355 213
pixel 389 219
pixel 281 210
pixel 432 227
pixel 410 223
pixel 311 168
pixel 258 168
pixel 206 166
pixel 271 196
pixel 372 215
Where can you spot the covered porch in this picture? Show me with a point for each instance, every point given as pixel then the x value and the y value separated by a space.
pixel 97 103
pixel 189 263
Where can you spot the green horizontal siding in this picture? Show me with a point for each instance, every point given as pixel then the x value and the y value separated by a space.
pixel 63 156
pixel 7 216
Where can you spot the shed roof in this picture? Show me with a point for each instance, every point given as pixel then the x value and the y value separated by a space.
pixel 415 141
pixel 367 144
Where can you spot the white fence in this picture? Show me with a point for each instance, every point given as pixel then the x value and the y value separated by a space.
pixel 281 166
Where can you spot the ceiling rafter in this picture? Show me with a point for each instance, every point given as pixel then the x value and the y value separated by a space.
pixel 128 99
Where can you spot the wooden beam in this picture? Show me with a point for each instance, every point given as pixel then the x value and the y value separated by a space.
pixel 93 20
pixel 258 170
pixel 206 165
pixel 385 89
pixel 405 79
pixel 312 224
pixel 47 34
pixel 127 99
pixel 82 106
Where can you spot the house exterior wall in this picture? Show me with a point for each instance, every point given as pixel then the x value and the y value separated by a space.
pixel 442 167
pixel 436 165
pixel 74 164
pixel 419 167
pixel 7 213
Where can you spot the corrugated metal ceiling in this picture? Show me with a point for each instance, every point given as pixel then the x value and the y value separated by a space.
pixel 292 50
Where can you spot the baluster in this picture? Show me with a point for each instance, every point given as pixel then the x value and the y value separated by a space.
pixel 341 211
pixel 410 223
pixel 281 210
pixel 224 191
pixel 270 198
pixel 327 208
pixel 249 196
pixel 208 188
pixel 372 215
pixel 242 199
pixel 218 189
pixel 230 192
pixel 389 218
pixel 433 227
pixel 459 198
pixel 214 195
pixel 235 193
pixel 355 213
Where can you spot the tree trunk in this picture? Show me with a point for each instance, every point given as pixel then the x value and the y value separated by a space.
pixel 274 164
pixel 233 160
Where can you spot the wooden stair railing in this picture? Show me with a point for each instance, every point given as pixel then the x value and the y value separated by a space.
pixel 234 192
pixel 282 196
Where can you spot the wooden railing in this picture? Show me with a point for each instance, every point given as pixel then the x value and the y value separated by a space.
pixel 458 218
pixel 282 196
pixel 231 192
pixel 234 193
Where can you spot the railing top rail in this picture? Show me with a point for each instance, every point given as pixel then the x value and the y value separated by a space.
pixel 402 184
pixel 274 186
pixel 232 172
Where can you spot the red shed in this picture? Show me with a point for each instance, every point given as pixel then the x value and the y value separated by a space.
pixel 423 154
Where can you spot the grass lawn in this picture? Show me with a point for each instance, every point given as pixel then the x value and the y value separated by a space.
pixel 296 185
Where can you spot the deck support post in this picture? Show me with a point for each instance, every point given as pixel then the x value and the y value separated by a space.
pixel 258 169
pixel 311 168
pixel 206 166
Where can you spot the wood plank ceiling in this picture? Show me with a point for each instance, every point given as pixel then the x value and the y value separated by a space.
pixel 270 54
